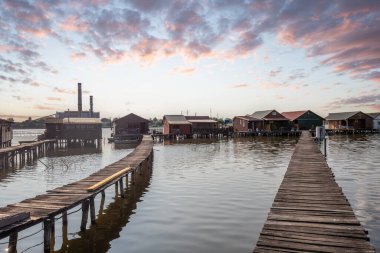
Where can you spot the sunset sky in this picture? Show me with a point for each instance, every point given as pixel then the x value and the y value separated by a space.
pixel 156 57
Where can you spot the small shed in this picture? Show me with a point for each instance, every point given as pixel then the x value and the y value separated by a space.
pixel 349 120
pixel 270 120
pixel 244 124
pixel 6 134
pixel 176 124
pixel 376 120
pixel 130 124
pixel 202 124
pixel 304 120
pixel 74 129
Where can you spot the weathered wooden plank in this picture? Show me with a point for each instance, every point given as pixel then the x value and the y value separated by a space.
pixel 310 212
pixel 6 220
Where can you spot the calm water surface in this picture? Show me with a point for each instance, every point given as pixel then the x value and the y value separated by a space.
pixel 201 197
pixel 355 161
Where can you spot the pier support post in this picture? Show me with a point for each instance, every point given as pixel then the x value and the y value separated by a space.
pixel 126 180
pixel 92 210
pixel 64 218
pixel 102 200
pixel 47 235
pixel 133 177
pixel 12 245
pixel 121 187
pixel 85 205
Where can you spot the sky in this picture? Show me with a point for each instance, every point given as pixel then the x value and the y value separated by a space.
pixel 205 57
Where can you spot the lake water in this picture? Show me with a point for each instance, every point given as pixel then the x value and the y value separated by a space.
pixel 203 196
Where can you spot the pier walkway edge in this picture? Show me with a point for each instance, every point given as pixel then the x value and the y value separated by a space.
pixel 44 208
pixel 310 213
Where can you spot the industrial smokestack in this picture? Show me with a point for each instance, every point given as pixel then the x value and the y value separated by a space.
pixel 79 97
pixel 91 105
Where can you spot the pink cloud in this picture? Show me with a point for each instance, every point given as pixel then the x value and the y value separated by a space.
pixel 187 71
pixel 54 99
pixel 240 86
pixel 73 24
pixel 280 97
pixel 78 56
pixel 45 107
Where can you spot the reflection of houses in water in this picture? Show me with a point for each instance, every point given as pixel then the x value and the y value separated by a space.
pixel 5 133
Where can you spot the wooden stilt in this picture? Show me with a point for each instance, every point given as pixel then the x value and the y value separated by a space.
pixel 64 218
pixel 12 245
pixel 121 187
pixel 85 205
pixel 92 210
pixel 47 235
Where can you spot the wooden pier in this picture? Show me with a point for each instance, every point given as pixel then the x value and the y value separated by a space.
pixel 24 153
pixel 57 202
pixel 310 212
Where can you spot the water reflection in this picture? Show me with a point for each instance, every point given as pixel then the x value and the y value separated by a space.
pixel 355 160
pixel 109 223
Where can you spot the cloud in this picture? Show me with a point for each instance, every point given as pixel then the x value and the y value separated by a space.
pixel 274 73
pixel 64 91
pixel 184 70
pixel 78 56
pixel 24 99
pixel 45 107
pixel 280 97
pixel 273 85
pixel 54 99
pixel 369 99
pixel 240 86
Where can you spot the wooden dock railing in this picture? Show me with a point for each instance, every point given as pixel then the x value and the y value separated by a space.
pixel 44 208
pixel 310 212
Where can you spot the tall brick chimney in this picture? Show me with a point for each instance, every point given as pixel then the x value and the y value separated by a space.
pixel 79 97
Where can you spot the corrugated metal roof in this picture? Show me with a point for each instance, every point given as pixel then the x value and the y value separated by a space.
pixel 341 115
pixel 176 119
pixel 202 121
pixel 73 121
pixel 132 116
pixel 196 117
pixel 374 114
pixel 293 115
pixel 261 114
pixel 248 118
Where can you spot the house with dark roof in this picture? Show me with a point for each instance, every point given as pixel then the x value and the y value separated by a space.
pixel 244 124
pixel 304 120
pixel 6 134
pixel 202 124
pixel 176 124
pixel 349 120
pixel 270 120
pixel 130 124
pixel 376 120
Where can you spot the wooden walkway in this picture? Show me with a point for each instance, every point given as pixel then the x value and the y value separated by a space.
pixel 43 208
pixel 25 152
pixel 310 212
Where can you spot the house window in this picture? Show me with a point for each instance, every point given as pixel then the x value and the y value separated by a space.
pixel 274 113
pixel 243 123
